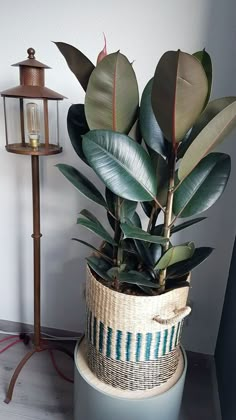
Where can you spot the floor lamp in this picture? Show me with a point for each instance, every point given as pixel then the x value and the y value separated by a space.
pixel 28 129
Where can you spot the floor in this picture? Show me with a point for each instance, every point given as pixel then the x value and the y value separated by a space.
pixel 41 394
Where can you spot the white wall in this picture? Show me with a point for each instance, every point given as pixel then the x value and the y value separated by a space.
pixel 142 31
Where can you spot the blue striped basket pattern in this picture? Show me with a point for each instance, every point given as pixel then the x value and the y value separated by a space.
pixel 128 346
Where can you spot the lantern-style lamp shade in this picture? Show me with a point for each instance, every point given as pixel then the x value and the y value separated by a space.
pixel 31 112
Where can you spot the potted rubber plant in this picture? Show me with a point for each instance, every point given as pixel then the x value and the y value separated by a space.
pixel 158 152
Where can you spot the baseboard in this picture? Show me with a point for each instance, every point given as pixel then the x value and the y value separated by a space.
pixel 11 326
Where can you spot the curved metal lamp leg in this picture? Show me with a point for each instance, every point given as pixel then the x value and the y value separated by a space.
pixel 25 360
pixel 16 374
pixel 60 348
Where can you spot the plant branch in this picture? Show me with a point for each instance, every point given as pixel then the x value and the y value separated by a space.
pixel 158 204
pixel 111 214
pixel 118 253
pixel 168 211
pixel 150 223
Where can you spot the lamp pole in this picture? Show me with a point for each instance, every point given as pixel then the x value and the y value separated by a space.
pixel 32 88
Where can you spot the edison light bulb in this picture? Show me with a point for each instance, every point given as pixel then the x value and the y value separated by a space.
pixel 32 113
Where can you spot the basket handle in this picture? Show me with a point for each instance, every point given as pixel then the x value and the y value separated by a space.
pixel 179 315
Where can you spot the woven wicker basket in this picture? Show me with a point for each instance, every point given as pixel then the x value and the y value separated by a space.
pixel 133 341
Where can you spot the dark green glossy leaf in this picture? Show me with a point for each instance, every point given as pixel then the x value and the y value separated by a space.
pixel 111 220
pixel 144 253
pixel 123 165
pixel 185 225
pixel 111 200
pixel 100 267
pixel 107 249
pixel 184 267
pixel 179 89
pixel 134 232
pixel 134 277
pixel 161 170
pixel 127 209
pixel 172 284
pixel 135 132
pixel 93 248
pixel 155 251
pixel 147 207
pixel 203 186
pixel 174 255
pixel 79 64
pixel 135 219
pixel 114 271
pixel 150 129
pixel 82 183
pixel 210 137
pixel 77 126
pixel 205 60
pixel 92 224
pixel 112 98
pixel 212 109
pixel 158 230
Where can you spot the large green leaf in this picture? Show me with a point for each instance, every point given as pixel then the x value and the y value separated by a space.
pixel 123 165
pixel 211 135
pixel 155 251
pixel 212 109
pixel 135 132
pixel 100 267
pixel 150 129
pixel 92 223
pixel 79 64
pixel 77 126
pixel 161 170
pixel 82 183
pixel 203 186
pixel 205 60
pixel 174 255
pixel 134 277
pixel 144 252
pixel 179 93
pixel 94 249
pixel 112 98
pixel 127 207
pixel 134 232
pixel 111 200
pixel 185 225
pixel 158 230
pixel 135 219
pixel 147 207
pixel 181 268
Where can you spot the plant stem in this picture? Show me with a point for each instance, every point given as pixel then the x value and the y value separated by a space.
pixel 153 217
pixel 150 223
pixel 168 211
pixel 117 254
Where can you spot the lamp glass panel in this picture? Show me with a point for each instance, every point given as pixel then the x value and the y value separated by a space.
pixel 13 120
pixel 53 122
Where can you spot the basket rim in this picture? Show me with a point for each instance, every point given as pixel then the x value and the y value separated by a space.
pixel 116 293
